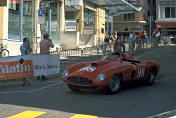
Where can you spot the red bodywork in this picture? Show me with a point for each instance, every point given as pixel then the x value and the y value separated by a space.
pixel 129 69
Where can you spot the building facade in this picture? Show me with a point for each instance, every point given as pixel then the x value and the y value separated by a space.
pixel 166 17
pixel 71 24
pixel 136 21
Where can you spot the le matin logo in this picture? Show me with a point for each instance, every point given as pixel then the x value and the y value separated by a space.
pixel 16 69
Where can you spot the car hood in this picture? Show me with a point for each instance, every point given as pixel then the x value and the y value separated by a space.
pixel 93 69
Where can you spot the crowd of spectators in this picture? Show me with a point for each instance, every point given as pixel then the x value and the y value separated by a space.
pixel 136 41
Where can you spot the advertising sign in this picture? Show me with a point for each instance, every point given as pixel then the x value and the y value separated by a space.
pixel 88 31
pixel 41 16
pixel 70 28
pixel 28 66
pixel 70 25
pixel 45 64
pixel 16 67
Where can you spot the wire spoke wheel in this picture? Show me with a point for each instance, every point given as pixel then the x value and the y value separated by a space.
pixel 114 85
pixel 151 77
pixel 4 53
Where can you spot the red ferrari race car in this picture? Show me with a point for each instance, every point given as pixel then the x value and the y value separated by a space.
pixel 110 73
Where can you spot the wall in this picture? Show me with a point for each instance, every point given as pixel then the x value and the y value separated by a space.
pixel 3 25
pixel 69 40
pixel 99 24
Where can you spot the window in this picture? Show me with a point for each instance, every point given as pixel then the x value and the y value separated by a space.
pixel 173 12
pixel 167 12
pixel 89 17
pixel 167 8
pixel 129 17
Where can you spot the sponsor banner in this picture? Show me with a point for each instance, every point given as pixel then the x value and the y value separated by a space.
pixel 16 67
pixel 28 66
pixel 45 64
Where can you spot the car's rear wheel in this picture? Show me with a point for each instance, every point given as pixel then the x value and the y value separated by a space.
pixel 150 77
pixel 73 88
pixel 114 85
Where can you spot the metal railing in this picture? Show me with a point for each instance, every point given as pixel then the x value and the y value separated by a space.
pixel 71 52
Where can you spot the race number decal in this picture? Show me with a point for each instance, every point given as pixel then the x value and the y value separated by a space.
pixel 89 69
pixel 140 72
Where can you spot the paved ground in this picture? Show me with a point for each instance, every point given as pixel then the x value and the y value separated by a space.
pixel 53 99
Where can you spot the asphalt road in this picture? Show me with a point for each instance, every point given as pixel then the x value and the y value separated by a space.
pixel 53 99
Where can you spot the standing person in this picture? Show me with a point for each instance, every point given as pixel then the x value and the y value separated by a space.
pixel 111 38
pixel 146 37
pixel 104 45
pixel 132 40
pixel 106 39
pixel 25 50
pixel 158 38
pixel 122 41
pixel 141 38
pixel 117 45
pixel 153 40
pixel 45 45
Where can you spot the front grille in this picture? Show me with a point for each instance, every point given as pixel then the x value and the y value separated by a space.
pixel 79 81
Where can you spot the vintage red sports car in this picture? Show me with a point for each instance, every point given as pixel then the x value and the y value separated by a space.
pixel 110 73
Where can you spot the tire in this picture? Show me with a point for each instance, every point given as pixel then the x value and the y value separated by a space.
pixel 114 85
pixel 150 77
pixel 73 88
pixel 4 53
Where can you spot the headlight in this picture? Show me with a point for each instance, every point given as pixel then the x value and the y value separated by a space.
pixel 65 74
pixel 101 77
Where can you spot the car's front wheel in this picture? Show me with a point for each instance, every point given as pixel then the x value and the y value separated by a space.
pixel 114 85
pixel 150 77
pixel 73 88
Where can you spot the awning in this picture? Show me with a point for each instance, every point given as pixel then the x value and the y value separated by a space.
pixel 17 1
pixel 122 6
pixel 166 25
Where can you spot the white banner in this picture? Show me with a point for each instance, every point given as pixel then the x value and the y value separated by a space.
pixel 45 64
pixel 28 66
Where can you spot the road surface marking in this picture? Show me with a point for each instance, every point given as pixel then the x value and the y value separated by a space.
pixel 27 114
pixel 31 91
pixel 173 116
pixel 83 116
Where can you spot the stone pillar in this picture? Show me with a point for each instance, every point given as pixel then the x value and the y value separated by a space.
pixel 81 20
pixel 100 25
pixel 62 15
pixel 4 24
pixel 35 26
